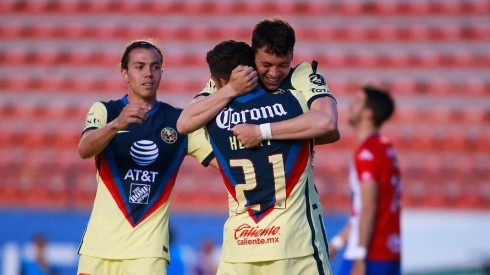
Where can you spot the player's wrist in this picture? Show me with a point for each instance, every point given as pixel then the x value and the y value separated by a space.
pixel 359 253
pixel 337 242
pixel 115 126
pixel 265 131
pixel 228 91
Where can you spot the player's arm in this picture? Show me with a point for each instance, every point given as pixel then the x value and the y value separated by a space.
pixel 199 146
pixel 366 224
pixel 325 109
pixel 322 104
pixel 319 121
pixel 338 241
pixel 98 134
pixel 203 108
pixel 367 216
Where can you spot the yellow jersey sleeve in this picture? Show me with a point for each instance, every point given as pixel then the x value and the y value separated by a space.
pixel 96 117
pixel 208 89
pixel 199 146
pixel 311 84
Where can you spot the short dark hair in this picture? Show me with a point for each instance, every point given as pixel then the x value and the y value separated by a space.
pixel 146 44
pixel 276 35
pixel 226 56
pixel 380 102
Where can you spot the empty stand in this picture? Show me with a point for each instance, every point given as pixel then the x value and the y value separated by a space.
pixel 57 57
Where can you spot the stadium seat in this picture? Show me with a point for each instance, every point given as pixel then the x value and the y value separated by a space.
pixel 475 114
pixel 7 109
pixel 355 32
pixel 366 58
pixel 82 56
pixel 14 56
pixel 334 58
pixel 439 85
pixel 50 55
pixel 83 187
pixel 482 140
pixel 403 85
pixel 44 186
pixel 10 133
pixel 447 32
pixel 328 160
pixel 462 58
pixel 10 190
pixel 398 58
pixel 476 86
pixel 470 196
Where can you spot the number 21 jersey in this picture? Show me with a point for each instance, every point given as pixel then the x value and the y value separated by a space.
pixel 274 208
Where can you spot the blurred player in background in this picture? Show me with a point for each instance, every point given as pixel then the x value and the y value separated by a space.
pixel 39 264
pixel 373 232
pixel 263 141
pixel 137 154
pixel 207 258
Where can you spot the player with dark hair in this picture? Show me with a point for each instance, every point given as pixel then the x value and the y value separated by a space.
pixel 373 232
pixel 275 223
pixel 137 153
pixel 222 59
pixel 273 45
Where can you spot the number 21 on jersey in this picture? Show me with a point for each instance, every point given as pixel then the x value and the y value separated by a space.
pixel 250 184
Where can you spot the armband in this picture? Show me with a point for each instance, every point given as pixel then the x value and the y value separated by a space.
pixel 359 253
pixel 265 131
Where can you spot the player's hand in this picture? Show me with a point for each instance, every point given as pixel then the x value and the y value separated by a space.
pixel 358 268
pixel 248 134
pixel 332 251
pixel 131 113
pixel 243 79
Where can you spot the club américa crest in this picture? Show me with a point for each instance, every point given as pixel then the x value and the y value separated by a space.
pixel 169 135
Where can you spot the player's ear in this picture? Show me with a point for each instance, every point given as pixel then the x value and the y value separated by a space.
pixel 368 113
pixel 125 74
pixel 222 82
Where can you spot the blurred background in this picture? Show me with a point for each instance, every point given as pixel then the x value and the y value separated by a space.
pixel 59 56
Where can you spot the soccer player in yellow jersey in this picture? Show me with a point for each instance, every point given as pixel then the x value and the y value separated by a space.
pixel 263 141
pixel 137 153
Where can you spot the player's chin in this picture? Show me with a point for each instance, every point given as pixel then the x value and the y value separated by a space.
pixel 147 92
pixel 271 86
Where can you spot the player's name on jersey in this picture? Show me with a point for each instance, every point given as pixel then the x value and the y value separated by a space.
pixel 235 143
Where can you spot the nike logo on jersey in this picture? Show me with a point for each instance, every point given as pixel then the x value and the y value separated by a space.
pixel 122 131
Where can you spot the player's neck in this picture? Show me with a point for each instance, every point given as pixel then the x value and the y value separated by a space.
pixel 364 130
pixel 148 102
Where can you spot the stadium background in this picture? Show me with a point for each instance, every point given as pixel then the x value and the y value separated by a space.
pixel 59 56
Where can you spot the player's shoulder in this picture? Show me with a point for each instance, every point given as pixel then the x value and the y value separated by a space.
pixel 108 106
pixel 169 111
pixel 376 144
pixel 305 68
pixel 112 104
pixel 377 140
pixel 208 89
pixel 307 72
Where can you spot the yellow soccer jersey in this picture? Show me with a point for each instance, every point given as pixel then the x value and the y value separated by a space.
pixel 274 208
pixel 135 175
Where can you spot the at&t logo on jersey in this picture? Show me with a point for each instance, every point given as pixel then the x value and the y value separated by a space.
pixel 253 235
pixel 228 117
pixel 144 152
pixel 169 135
